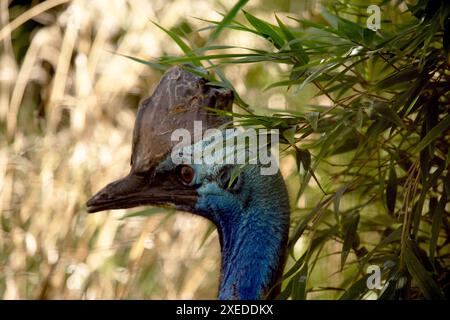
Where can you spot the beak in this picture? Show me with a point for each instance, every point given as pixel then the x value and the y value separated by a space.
pixel 135 190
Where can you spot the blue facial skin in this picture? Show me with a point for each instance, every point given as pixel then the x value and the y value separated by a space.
pixel 252 218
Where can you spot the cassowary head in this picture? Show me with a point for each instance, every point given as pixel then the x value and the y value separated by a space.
pixel 250 210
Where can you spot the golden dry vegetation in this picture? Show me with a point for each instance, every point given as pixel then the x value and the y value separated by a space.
pixel 67 108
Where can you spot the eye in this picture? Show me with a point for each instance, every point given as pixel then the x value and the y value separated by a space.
pixel 186 174
pixel 227 182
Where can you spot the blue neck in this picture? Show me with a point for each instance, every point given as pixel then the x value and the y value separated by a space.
pixel 252 255
pixel 253 226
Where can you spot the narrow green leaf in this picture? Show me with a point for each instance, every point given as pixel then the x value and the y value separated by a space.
pixel 337 198
pixel 299 284
pixel 183 46
pixel 391 189
pixel 265 29
pixel 285 294
pixel 328 140
pixel 384 110
pixel 350 29
pixel 208 232
pixel 357 290
pixel 332 19
pixel 393 286
pixel 400 77
pixel 248 57
pixel 424 156
pixel 289 135
pixel 437 217
pixel 347 144
pixel 318 26
pixel 175 37
pixel 313 119
pixel 235 172
pixel 394 236
pixel 300 228
pixel 447 160
pixel 349 237
pixel 368 36
pixel 293 42
pixel 296 266
pixel 424 281
pixel 155 65
pixel 433 134
pixel 303 157
pixel 227 19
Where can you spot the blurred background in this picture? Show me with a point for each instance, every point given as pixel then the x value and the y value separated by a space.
pixel 68 98
pixel 67 109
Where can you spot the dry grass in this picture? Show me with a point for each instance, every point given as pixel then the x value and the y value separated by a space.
pixel 68 111
pixel 66 115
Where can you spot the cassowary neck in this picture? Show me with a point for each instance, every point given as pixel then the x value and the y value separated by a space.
pixel 253 226
pixel 253 249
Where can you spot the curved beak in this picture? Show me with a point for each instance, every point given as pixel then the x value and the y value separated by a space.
pixel 135 190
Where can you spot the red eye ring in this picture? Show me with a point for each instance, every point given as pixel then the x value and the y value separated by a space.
pixel 186 174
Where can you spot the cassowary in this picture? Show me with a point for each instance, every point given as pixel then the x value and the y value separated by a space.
pixel 251 211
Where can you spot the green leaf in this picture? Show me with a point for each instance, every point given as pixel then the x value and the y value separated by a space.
pixel 400 77
pixel 155 65
pixel 387 113
pixel 389 291
pixel 227 19
pixel 289 135
pixel 391 189
pixel 368 35
pixel 303 157
pixel 332 19
pixel 350 29
pixel 299 283
pixel 265 29
pixel 424 281
pixel 393 237
pixel 347 144
pixel 437 217
pixel 433 134
pixel 337 198
pixel 328 140
pixel 208 232
pixel 296 266
pixel 313 119
pixel 284 295
pixel 235 172
pixel 349 237
pixel 293 43
pixel 318 26
pixel 447 160
pixel 357 290
pixel 183 46
pixel 304 222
